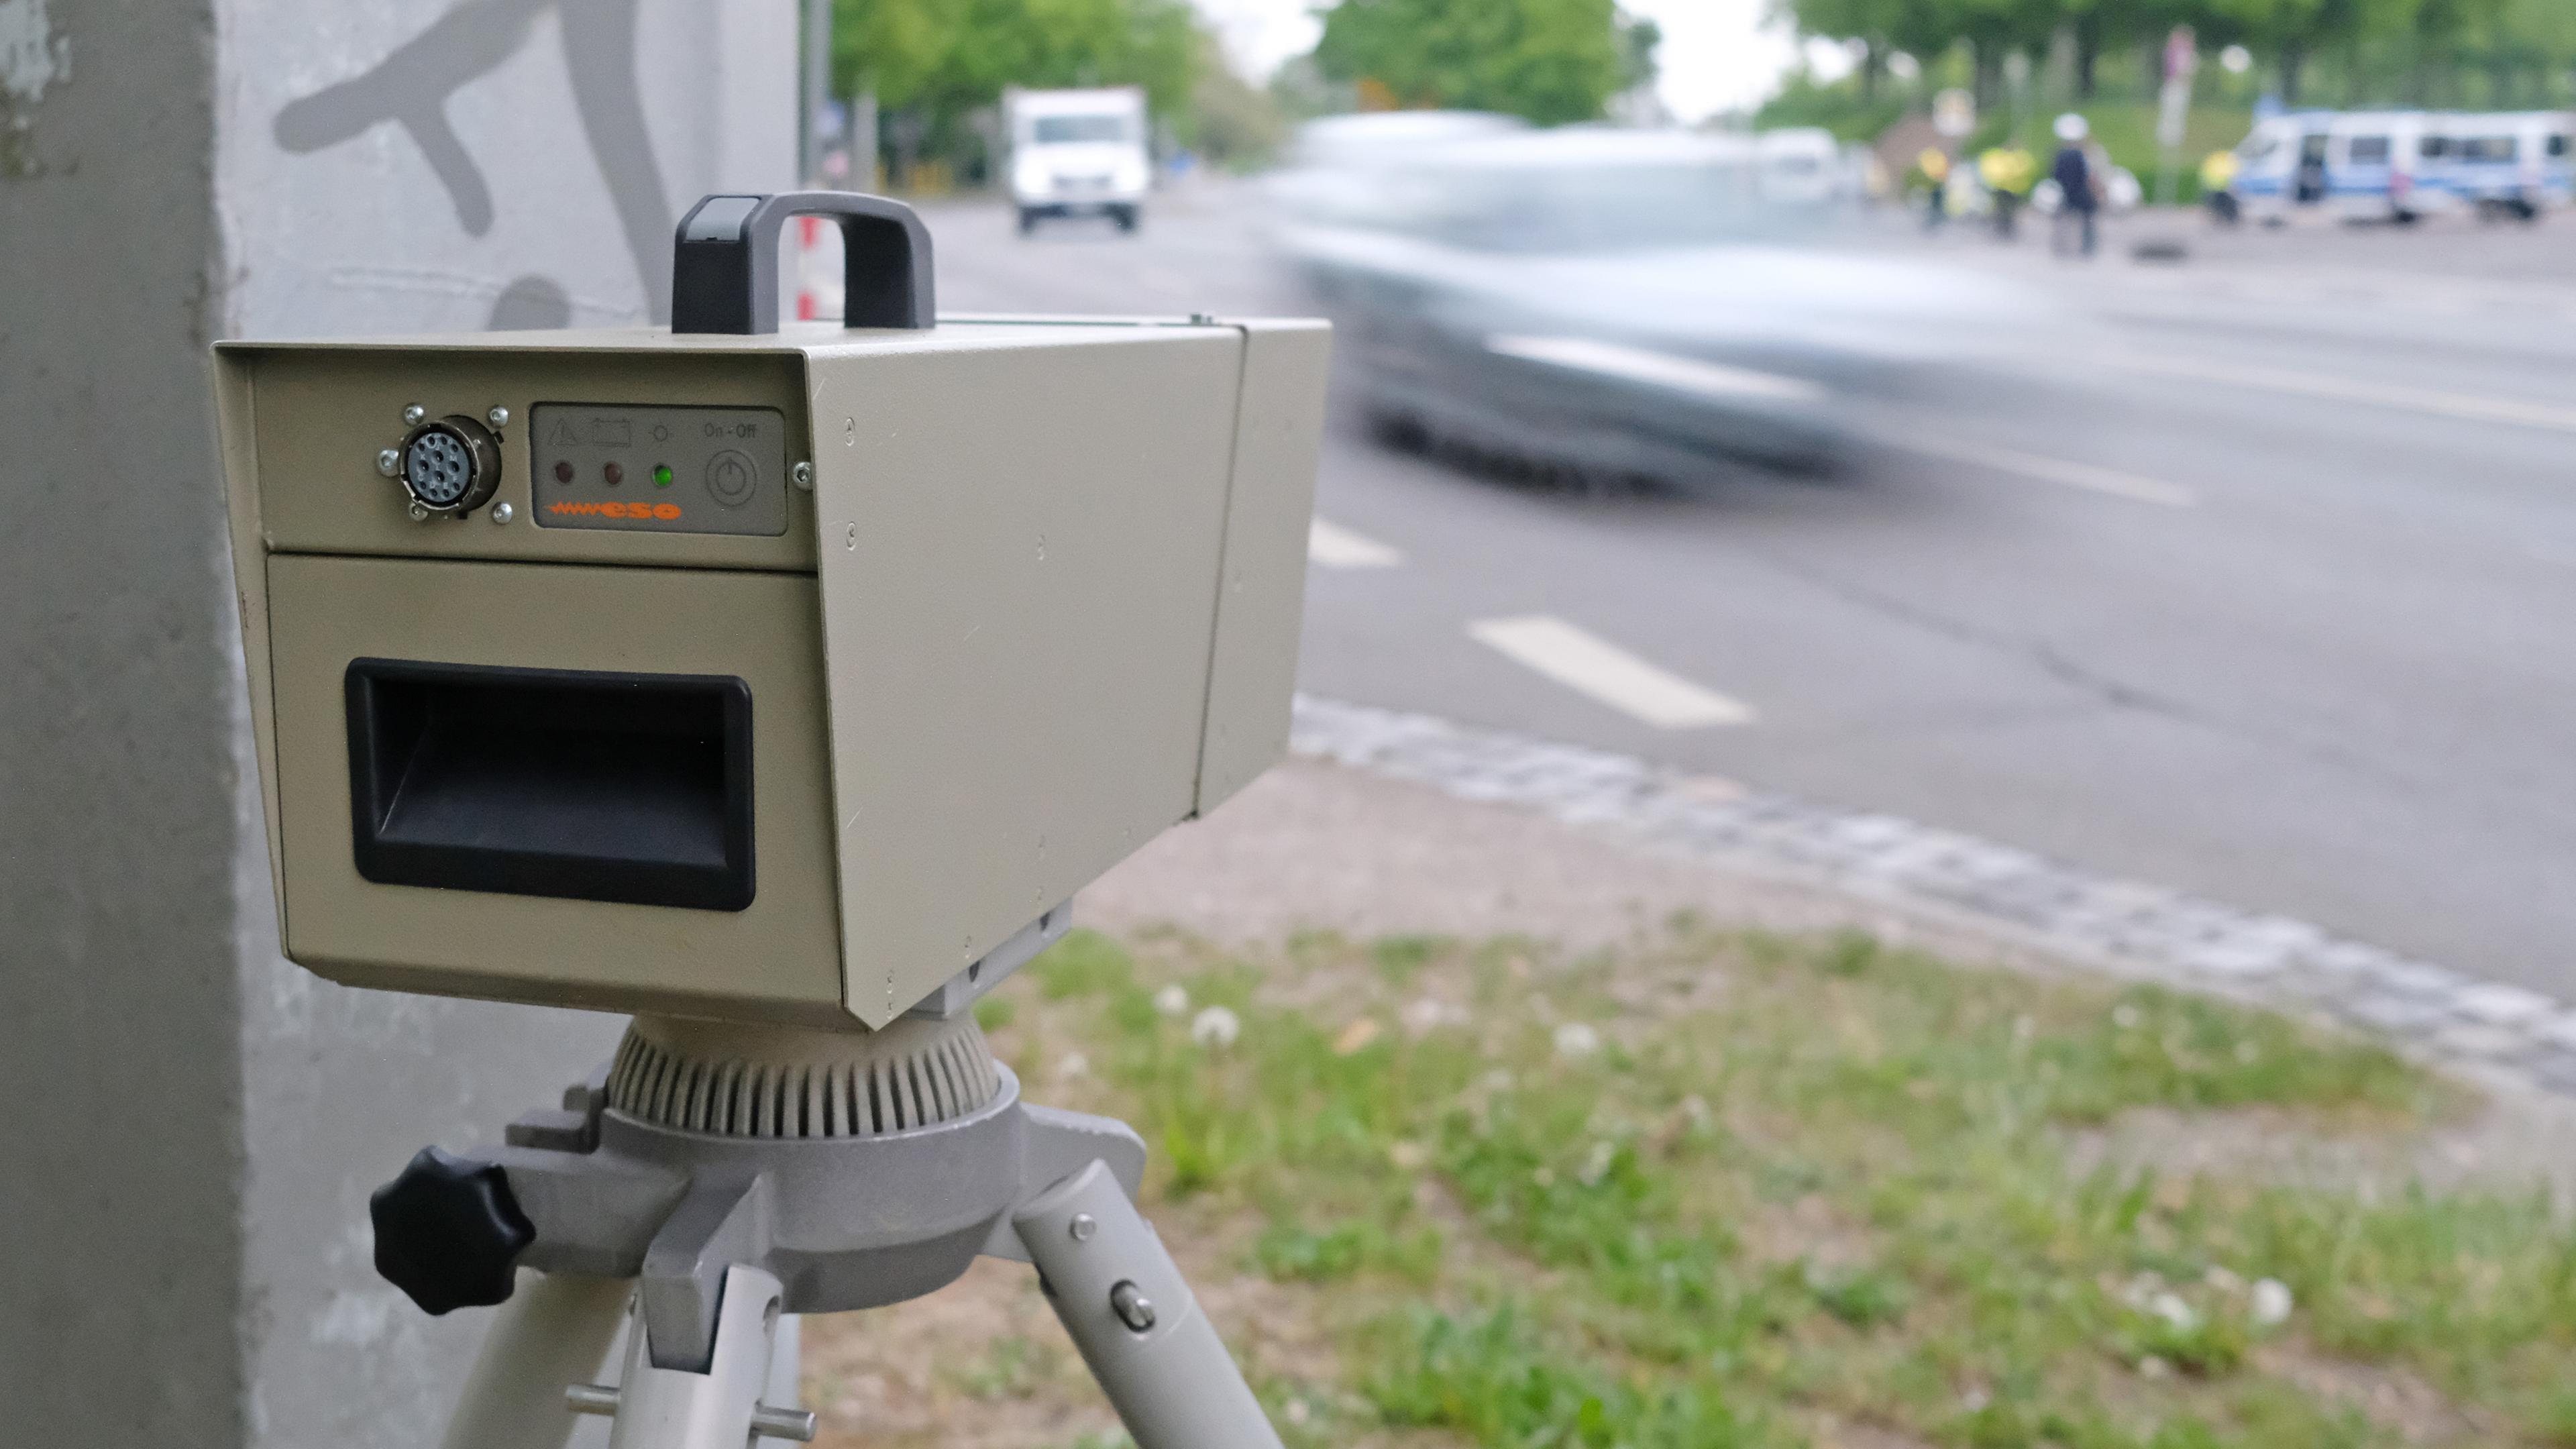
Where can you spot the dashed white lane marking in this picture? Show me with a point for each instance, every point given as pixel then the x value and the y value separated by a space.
pixel 1596 667
pixel 2554 417
pixel 1329 545
pixel 2086 476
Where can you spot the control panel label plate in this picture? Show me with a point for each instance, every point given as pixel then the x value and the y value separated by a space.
pixel 659 469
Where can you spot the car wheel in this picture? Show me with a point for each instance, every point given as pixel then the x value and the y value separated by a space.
pixel 1398 429
pixel 1126 217
pixel 1028 220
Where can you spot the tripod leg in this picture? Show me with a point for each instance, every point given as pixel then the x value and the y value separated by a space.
pixel 554 1331
pixel 659 1408
pixel 1140 1331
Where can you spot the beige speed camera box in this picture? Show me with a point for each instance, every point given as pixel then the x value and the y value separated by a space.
pixel 776 677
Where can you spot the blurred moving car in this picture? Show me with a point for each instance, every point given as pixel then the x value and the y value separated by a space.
pixel 1800 166
pixel 1333 162
pixel 1624 302
pixel 1077 153
pixel 1342 142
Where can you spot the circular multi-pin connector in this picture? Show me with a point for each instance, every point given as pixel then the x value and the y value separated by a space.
pixel 451 465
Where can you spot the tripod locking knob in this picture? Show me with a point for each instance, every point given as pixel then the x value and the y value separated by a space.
pixel 448 1231
pixel 1132 1307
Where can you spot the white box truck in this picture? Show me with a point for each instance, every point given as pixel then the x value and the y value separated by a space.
pixel 1077 153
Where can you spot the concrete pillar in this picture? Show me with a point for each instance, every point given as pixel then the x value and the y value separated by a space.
pixel 191 1126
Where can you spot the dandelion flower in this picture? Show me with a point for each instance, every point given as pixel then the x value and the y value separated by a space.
pixel 1574 1039
pixel 2271 1303
pixel 1215 1027
pixel 1172 1000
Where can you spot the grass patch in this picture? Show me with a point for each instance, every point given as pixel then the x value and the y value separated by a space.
pixel 1604 1204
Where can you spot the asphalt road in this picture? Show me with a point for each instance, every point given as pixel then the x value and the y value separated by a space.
pixel 2267 592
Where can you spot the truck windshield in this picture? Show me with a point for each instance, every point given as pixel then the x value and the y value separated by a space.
pixel 1067 130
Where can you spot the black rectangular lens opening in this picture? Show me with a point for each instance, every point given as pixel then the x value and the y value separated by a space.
pixel 544 782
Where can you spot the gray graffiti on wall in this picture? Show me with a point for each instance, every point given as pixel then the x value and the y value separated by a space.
pixel 414 86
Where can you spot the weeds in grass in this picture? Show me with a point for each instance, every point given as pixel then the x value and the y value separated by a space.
pixel 1491 1378
pixel 1840 1185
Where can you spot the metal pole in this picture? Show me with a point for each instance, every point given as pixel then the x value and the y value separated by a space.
pixel 818 87
pixel 863 139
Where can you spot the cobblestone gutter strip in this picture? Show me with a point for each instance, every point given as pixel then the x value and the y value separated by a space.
pixel 2091 920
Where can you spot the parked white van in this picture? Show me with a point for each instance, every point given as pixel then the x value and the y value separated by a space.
pixel 2511 162
pixel 2281 165
pixel 1077 153
pixel 2351 165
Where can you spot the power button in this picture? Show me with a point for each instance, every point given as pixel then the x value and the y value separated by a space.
pixel 731 478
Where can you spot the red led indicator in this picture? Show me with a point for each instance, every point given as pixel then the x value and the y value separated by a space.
pixel 613 473
pixel 563 472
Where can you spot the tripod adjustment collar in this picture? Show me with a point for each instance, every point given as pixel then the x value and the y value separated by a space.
pixel 448 1232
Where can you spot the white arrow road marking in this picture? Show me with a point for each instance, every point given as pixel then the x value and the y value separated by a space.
pixel 1329 545
pixel 2086 476
pixel 1594 666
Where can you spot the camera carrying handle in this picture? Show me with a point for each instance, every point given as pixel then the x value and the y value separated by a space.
pixel 724 263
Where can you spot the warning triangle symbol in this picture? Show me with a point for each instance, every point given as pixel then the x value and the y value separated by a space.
pixel 562 436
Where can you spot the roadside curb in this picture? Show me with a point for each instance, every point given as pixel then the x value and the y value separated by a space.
pixel 2099 922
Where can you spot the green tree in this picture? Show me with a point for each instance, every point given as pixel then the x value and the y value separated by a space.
pixel 936 62
pixel 2501 53
pixel 1551 61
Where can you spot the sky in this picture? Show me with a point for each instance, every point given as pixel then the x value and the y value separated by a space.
pixel 1717 54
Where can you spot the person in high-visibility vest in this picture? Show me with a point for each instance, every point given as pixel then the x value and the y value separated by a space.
pixel 2009 172
pixel 1934 167
pixel 2218 187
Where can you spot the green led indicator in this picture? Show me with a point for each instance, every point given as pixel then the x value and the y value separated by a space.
pixel 661 475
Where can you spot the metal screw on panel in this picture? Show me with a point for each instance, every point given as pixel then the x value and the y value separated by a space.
pixel 1082 1227
pixel 804 476
pixel 1132 1306
pixel 413 414
pixel 419 512
pixel 498 417
pixel 389 462
pixel 503 512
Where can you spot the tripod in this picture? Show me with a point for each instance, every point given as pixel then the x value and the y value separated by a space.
pixel 713 1177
